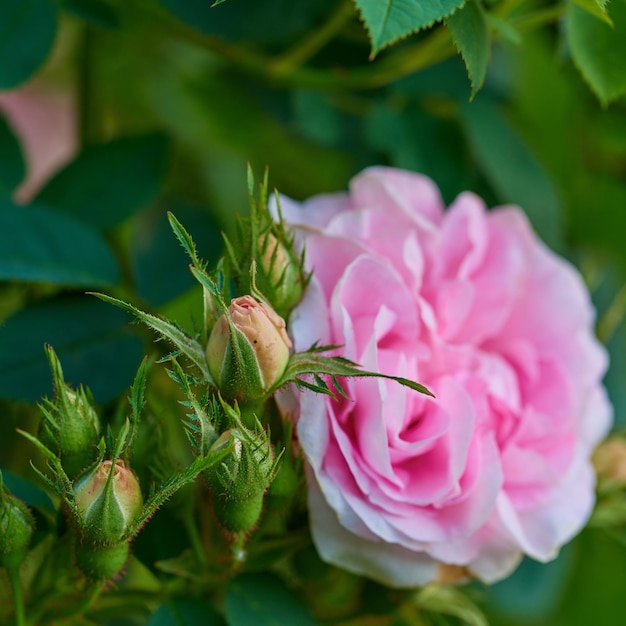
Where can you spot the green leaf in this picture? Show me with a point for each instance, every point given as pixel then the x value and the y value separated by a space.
pixel 387 21
pixel 39 245
pixel 599 50
pixel 596 8
pixel 186 612
pixel 91 339
pixel 160 267
pixel 450 600
pixel 263 600
pixel 470 34
pixel 94 12
pixel 117 179
pixel 12 165
pixel 511 169
pixel 311 362
pixel 27 31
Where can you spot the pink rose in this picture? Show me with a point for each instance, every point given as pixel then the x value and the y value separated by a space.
pixel 473 305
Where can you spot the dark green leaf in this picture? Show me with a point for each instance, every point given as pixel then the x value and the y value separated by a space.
pixel 39 245
pixel 26 491
pixel 512 170
pixel 263 600
pixel 250 20
pixel 94 12
pixel 117 179
pixel 27 31
pixel 177 337
pixel 91 339
pixel 12 166
pixel 160 267
pixel 470 34
pixel 186 612
pixel 387 21
pixel 599 50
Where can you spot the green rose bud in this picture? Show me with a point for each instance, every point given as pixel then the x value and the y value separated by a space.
pixel 239 483
pixel 102 561
pixel 16 529
pixel 280 276
pixel 109 499
pixel 70 426
pixel 248 352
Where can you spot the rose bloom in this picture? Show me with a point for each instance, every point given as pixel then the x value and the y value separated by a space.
pixel 472 304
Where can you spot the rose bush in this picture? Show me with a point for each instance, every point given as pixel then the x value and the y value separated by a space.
pixel 472 304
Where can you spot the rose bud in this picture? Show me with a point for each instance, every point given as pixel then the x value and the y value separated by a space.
pixel 16 529
pixel 280 274
pixel 239 483
pixel 248 352
pixel 70 426
pixel 109 498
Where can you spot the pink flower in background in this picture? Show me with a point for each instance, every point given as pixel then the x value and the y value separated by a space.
pixel 45 123
pixel 472 304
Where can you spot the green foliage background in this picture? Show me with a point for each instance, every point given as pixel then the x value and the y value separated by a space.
pixel 521 101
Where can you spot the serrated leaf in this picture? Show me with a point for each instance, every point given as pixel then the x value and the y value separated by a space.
pixel 39 245
pixel 27 32
pixel 596 8
pixel 313 363
pixel 470 34
pixel 599 50
pixel 188 346
pixel 117 179
pixel 388 21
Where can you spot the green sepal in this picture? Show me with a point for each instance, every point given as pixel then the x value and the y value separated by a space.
pixel 16 529
pixel 172 333
pixel 313 363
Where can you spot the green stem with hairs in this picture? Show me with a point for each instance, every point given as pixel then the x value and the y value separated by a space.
pixel 18 596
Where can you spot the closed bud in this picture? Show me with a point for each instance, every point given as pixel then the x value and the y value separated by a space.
pixel 248 352
pixel 239 483
pixel 280 276
pixel 70 426
pixel 16 530
pixel 108 498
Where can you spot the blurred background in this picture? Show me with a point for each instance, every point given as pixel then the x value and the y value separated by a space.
pixel 113 112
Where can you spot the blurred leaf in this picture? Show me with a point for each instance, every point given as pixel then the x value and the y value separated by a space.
pixel 216 115
pixel 186 612
pixel 533 590
pixel 512 170
pixel 263 600
pixel 315 117
pixel 595 7
pixel 470 34
pixel 414 140
pixel 94 12
pixel 599 50
pixel 388 21
pixel 12 165
pixel 160 266
pixel 268 22
pixel 92 340
pixel 450 600
pixel 25 491
pixel 39 245
pixel 27 31
pixel 116 180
